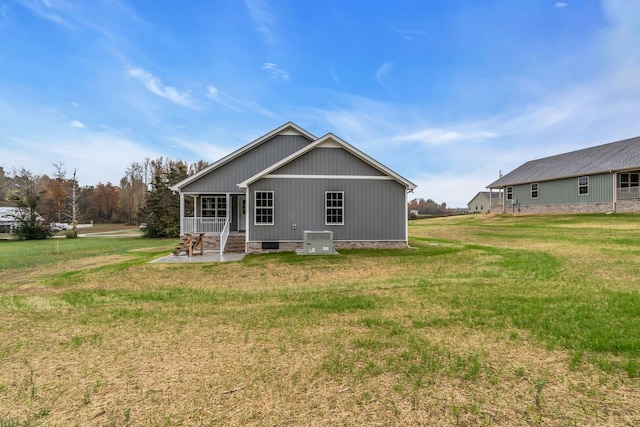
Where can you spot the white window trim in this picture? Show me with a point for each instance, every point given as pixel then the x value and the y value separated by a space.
pixel 326 208
pixel 215 206
pixel 509 193
pixel 537 190
pixel 256 207
pixel 585 185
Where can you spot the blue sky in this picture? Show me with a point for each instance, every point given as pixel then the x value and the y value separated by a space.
pixel 446 93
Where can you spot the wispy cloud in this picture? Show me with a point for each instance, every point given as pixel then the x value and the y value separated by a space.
pixel 561 4
pixel 235 104
pixel 274 71
pixel 154 85
pixel 222 98
pixel 76 124
pixel 262 18
pixel 436 136
pixel 46 10
pixel 382 74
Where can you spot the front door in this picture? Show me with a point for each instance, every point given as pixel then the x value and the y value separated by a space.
pixel 242 212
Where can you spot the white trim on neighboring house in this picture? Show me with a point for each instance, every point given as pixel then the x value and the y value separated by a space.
pixel 329 140
pixel 288 128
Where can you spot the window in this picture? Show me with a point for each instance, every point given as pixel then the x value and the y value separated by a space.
pixel 534 191
pixel 334 207
pixel 629 180
pixel 214 206
pixel 264 208
pixel 583 185
pixel 509 193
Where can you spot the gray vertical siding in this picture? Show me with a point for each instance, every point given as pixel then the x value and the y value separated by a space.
pixel 565 191
pixel 225 178
pixel 328 161
pixel 373 209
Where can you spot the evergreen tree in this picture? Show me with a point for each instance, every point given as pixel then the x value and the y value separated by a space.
pixel 163 205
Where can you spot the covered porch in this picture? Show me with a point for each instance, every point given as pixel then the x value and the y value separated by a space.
pixel 215 215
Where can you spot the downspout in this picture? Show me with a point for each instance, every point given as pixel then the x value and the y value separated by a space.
pixel 406 211
pixel 615 190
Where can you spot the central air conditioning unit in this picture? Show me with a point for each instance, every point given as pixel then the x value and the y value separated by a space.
pixel 317 242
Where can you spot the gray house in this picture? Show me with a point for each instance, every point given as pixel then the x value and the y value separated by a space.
pixel 604 178
pixel 268 193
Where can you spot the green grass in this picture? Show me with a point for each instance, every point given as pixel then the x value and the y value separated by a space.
pixel 487 319
pixel 17 255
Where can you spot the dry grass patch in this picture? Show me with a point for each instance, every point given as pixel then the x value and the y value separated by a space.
pixel 463 330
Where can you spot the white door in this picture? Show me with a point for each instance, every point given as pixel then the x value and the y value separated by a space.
pixel 242 212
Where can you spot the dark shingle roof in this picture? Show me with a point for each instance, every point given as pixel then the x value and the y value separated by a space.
pixel 615 156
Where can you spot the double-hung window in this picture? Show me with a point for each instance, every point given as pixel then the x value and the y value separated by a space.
pixel 334 207
pixel 583 185
pixel 509 193
pixel 264 208
pixel 214 206
pixel 534 191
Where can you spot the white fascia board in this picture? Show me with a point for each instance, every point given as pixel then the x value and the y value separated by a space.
pixel 330 141
pixel 359 177
pixel 288 128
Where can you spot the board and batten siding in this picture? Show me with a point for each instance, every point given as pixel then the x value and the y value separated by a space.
pixel 226 178
pixel 565 191
pixel 328 161
pixel 374 209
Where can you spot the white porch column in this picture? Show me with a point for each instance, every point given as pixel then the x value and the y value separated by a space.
pixel 229 213
pixel 181 213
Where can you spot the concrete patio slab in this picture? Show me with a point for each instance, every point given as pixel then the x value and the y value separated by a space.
pixel 206 257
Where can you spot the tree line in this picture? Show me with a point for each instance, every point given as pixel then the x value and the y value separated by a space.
pixel 427 207
pixel 142 195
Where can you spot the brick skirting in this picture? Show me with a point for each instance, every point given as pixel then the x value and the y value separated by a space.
pixel 621 206
pixel 256 247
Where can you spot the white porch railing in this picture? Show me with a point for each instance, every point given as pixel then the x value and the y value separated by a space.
pixel 195 225
pixel 223 236
pixel 628 193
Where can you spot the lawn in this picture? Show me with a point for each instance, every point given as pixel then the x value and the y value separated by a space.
pixel 486 320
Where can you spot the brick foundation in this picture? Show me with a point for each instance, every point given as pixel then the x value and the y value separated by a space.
pixel 256 247
pixel 211 243
pixel 621 206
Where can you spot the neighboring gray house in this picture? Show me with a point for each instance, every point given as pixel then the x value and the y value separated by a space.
pixel 481 201
pixel 604 178
pixel 270 191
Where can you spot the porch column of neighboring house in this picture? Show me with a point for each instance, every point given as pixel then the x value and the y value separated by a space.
pixel 490 198
pixel 181 213
pixel 504 199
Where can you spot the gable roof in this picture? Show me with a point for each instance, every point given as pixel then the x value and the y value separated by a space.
pixel 487 194
pixel 330 140
pixel 288 128
pixel 614 156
